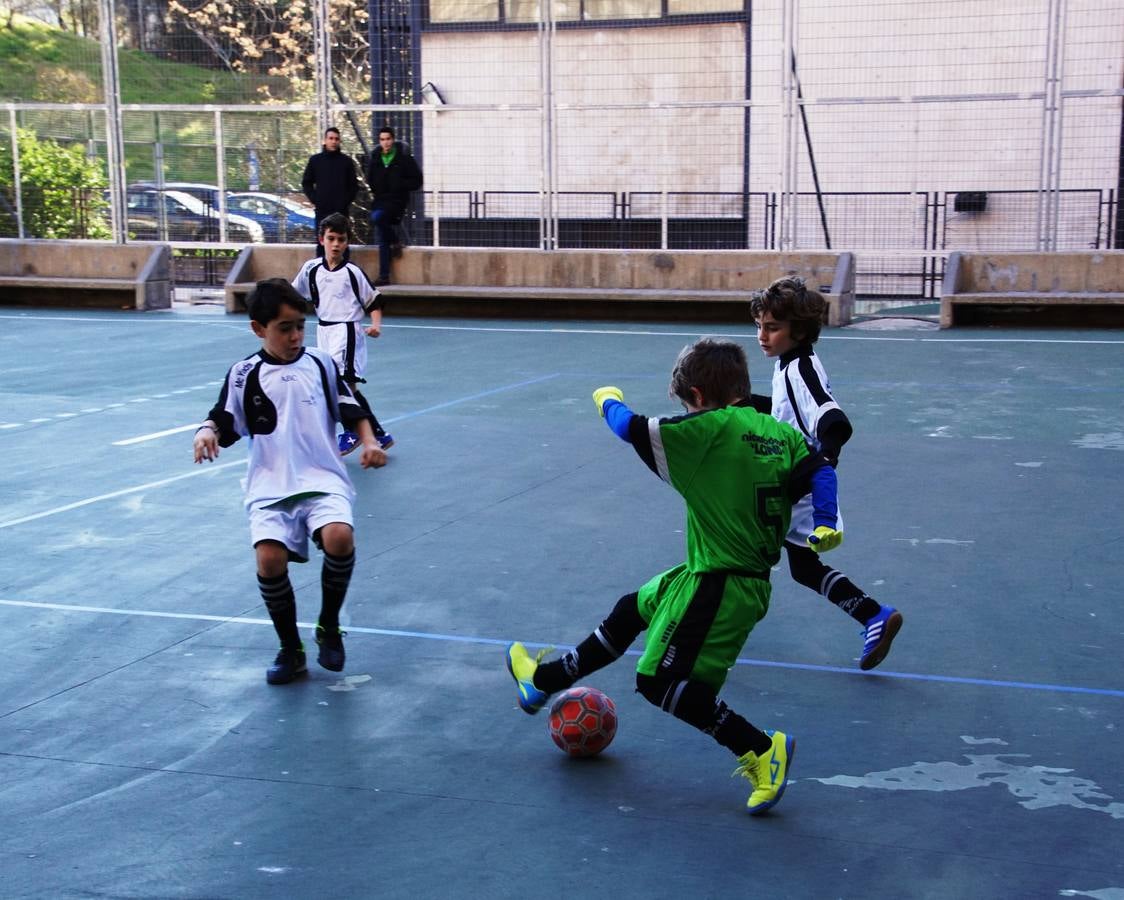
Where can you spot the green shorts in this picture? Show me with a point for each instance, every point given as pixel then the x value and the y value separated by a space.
pixel 698 622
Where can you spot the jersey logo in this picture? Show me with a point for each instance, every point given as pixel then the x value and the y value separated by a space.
pixel 763 446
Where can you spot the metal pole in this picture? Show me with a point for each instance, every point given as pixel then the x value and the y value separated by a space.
pixel 220 173
pixel 114 129
pixel 546 114
pixel 811 155
pixel 747 8
pixel 787 237
pixel 322 43
pixel 1059 74
pixel 14 125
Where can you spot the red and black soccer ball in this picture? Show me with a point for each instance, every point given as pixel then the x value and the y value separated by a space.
pixel 582 721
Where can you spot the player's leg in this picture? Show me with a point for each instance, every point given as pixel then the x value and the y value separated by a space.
pixel 330 521
pixel 384 437
pixel 277 538
pixel 880 623
pixel 385 232
pixel 537 680
pixel 693 641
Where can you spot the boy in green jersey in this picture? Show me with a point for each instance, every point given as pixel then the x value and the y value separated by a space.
pixel 738 472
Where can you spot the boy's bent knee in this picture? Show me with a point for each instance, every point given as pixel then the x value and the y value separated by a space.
pixel 691 701
pixel 336 538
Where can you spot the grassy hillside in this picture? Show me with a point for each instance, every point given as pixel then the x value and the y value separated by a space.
pixel 40 63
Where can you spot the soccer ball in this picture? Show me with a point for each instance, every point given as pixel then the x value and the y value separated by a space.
pixel 582 721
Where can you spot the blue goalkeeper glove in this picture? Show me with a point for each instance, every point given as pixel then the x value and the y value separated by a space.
pixel 606 393
pixel 823 539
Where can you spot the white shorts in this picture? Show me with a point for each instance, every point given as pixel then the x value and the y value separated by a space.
pixel 290 522
pixel 347 345
pixel 803 525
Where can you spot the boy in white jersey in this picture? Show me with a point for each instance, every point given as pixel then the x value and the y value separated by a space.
pixel 788 318
pixel 287 399
pixel 342 294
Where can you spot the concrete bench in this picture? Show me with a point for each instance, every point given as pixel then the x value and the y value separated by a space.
pixel 692 284
pixel 1061 288
pixel 85 273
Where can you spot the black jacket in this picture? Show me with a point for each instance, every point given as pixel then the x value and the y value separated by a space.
pixel 391 185
pixel 330 182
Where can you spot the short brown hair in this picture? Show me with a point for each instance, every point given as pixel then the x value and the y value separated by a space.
pixel 718 368
pixel 788 299
pixel 336 222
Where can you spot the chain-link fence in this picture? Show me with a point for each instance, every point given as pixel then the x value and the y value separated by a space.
pixel 900 131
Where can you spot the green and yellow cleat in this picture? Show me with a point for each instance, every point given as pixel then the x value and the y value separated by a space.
pixel 767 773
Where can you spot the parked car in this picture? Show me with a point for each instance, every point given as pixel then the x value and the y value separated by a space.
pixel 284 220
pixel 186 218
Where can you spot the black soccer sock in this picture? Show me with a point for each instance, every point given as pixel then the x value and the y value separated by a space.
pixel 696 704
pixel 809 570
pixel 608 641
pixel 335 576
pixel 277 592
pixel 379 430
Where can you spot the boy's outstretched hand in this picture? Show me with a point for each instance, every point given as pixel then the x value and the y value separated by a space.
pixel 373 456
pixel 206 444
pixel 823 539
pixel 606 393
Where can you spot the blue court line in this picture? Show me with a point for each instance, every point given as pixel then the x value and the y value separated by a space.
pixel 503 642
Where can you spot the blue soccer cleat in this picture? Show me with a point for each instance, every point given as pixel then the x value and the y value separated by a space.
pixel 348 440
pixel 289 665
pixel 881 629
pixel 386 441
pixel 330 642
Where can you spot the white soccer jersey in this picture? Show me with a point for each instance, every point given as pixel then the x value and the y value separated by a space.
pixel 289 411
pixel 339 295
pixel 802 398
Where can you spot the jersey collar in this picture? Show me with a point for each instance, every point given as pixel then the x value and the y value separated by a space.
pixel 274 361
pixel 795 353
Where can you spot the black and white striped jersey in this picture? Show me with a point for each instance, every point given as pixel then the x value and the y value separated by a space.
pixel 289 411
pixel 802 397
pixel 339 295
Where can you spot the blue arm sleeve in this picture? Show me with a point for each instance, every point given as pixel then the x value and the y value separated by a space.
pixel 825 489
pixel 617 417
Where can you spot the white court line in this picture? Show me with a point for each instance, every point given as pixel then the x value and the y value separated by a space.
pixel 155 435
pixel 749 335
pixel 121 493
pixel 242 462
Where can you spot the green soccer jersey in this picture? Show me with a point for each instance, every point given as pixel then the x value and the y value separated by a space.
pixel 738 471
pixel 734 467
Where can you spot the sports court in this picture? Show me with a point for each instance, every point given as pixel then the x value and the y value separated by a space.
pixel 142 754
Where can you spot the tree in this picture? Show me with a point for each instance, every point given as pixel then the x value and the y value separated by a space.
pixel 62 189
pixel 273 39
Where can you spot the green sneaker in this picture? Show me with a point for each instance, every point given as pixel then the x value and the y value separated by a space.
pixel 767 773
pixel 522 667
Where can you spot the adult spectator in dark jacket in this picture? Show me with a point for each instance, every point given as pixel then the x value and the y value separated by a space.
pixel 330 182
pixel 392 174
